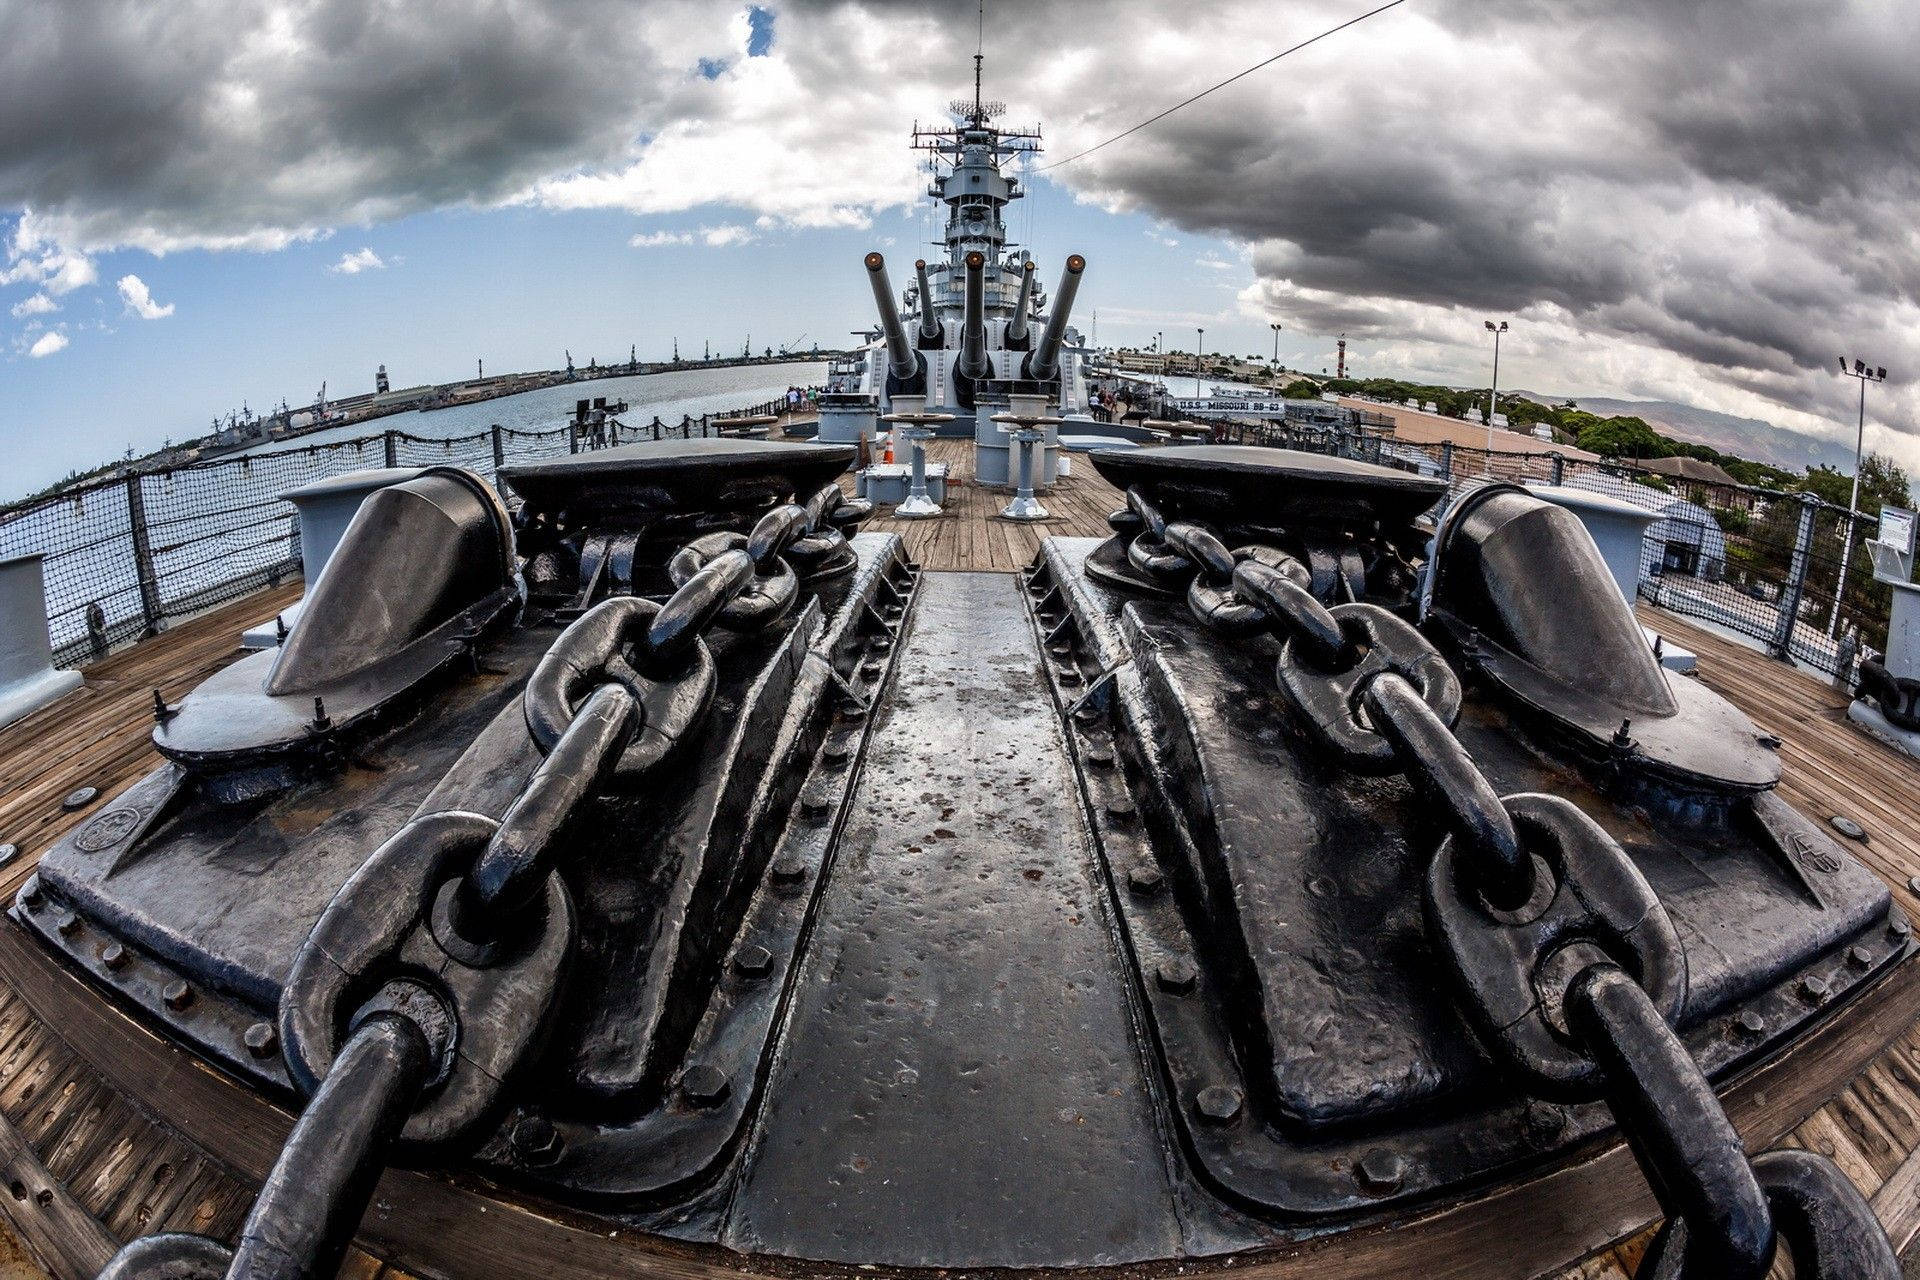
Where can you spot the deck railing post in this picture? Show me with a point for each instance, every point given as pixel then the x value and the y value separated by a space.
pixel 499 446
pixel 150 609
pixel 1559 468
pixel 390 447
pixel 1446 460
pixel 1791 591
pixel 573 436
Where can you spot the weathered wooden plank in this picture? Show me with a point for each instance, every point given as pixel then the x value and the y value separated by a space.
pixel 62 1236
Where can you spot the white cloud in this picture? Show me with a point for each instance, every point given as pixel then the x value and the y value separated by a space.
pixel 38 305
pixel 352 264
pixel 139 299
pixel 729 234
pixel 658 239
pixel 1213 262
pixel 47 344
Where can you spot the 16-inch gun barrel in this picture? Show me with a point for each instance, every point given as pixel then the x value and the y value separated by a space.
pixel 901 358
pixel 973 348
pixel 932 332
pixel 1043 362
pixel 1019 332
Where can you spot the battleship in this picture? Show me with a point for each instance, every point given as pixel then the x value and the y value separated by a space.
pixel 645 866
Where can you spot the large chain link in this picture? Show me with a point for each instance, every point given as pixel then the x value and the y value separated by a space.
pixel 432 976
pixel 1570 970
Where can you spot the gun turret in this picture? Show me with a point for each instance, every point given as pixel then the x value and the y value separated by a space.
pixel 1043 362
pixel 974 366
pixel 903 362
pixel 1019 333
pixel 932 333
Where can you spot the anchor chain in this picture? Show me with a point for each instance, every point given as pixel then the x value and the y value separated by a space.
pixel 430 979
pixel 1568 968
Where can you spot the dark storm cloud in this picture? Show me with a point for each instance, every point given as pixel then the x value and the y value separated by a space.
pixel 194 121
pixel 1709 196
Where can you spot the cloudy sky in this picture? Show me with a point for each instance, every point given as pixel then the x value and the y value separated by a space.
pixel 208 202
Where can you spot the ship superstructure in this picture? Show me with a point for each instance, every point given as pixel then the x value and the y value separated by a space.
pixel 975 321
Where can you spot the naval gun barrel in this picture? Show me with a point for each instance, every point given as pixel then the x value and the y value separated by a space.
pixel 902 362
pixel 1043 362
pixel 973 338
pixel 1019 332
pixel 932 334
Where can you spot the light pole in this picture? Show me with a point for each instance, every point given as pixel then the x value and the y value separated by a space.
pixel 1199 349
pixel 1864 375
pixel 1276 344
pixel 1493 392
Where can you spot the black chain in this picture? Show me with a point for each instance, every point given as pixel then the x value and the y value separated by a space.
pixel 480 905
pixel 1567 964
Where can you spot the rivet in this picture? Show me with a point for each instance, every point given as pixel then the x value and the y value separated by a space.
pixel 881 644
pixel 789 871
pixel 1145 880
pixel 1069 676
pixel 1897 927
pixel 178 995
pixel 1381 1170
pixel 815 806
pixel 1859 957
pixel 1100 758
pixel 1177 975
pixel 114 956
pixel 1814 988
pixel 753 962
pixel 1060 649
pixel 836 753
pixel 79 798
pixel 1218 1104
pixel 1120 809
pixel 851 713
pixel 536 1141
pixel 705 1085
pixel 872 670
pixel 68 924
pixel 261 1039
pixel 1750 1022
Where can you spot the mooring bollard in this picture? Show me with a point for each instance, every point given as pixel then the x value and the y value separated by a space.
pixel 1024 505
pixel 919 502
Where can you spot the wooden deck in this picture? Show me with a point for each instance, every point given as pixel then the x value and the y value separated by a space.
pixel 87 1168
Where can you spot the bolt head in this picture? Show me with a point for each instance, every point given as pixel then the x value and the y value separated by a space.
pixel 753 961
pixel 836 753
pixel 1750 1022
pixel 8 852
pixel 815 806
pixel 31 895
pixel 789 871
pixel 705 1085
pixel 536 1141
pixel 1120 809
pixel 1218 1104
pixel 178 995
pixel 114 956
pixel 1859 957
pixel 68 924
pixel 1100 758
pixel 1545 1121
pixel 1145 880
pixel 261 1039
pixel 1381 1171
pixel 1177 975
pixel 1913 885
pixel 1814 988
pixel 1848 827
pixel 1898 927
pixel 79 798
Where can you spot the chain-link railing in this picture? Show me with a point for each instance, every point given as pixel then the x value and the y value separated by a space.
pixel 124 557
pixel 1761 563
